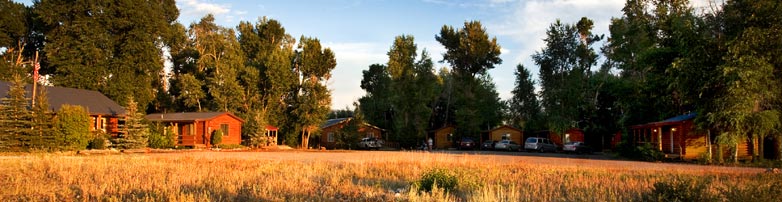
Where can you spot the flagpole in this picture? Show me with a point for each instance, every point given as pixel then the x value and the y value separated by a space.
pixel 36 66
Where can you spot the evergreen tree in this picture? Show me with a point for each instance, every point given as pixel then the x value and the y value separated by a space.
pixel 15 40
pixel 136 130
pixel 16 118
pixel 524 107
pixel 43 136
pixel 110 46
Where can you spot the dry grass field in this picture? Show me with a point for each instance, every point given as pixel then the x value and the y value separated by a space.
pixel 367 176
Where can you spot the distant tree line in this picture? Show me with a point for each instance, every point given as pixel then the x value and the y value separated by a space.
pixel 661 59
pixel 118 48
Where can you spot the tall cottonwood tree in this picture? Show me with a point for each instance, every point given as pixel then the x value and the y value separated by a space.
pixel 471 53
pixel 311 100
pixel 411 90
pixel 268 77
pixel 376 103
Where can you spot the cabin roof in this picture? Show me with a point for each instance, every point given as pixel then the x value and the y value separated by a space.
pixel 93 101
pixel 188 116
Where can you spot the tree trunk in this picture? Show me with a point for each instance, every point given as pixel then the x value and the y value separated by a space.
pixel 708 145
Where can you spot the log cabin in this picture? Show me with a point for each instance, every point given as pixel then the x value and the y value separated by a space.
pixel 504 132
pixel 106 116
pixel 677 138
pixel 195 129
pixel 332 129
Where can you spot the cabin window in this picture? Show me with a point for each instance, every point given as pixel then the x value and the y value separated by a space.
pixel 330 137
pixel 103 124
pixel 370 134
pixel 224 128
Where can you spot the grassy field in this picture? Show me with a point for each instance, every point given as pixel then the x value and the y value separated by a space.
pixel 368 176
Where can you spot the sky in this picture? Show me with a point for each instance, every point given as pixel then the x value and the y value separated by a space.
pixel 360 32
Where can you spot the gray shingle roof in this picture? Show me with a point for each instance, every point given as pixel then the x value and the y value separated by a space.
pixel 95 102
pixel 187 116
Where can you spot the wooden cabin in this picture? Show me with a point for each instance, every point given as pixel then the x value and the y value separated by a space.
pixel 677 138
pixel 504 132
pixel 571 135
pixel 444 137
pixel 195 129
pixel 332 130
pixel 106 116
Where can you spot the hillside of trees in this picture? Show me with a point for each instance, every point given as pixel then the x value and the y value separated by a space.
pixel 661 59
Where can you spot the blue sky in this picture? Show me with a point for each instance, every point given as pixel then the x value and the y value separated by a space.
pixel 360 32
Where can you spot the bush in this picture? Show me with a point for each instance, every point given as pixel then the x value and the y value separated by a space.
pixel 440 178
pixel 217 137
pixel 682 189
pixel 645 152
pixel 161 136
pixel 73 125
pixel 99 142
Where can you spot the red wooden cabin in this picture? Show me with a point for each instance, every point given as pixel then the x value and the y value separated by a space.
pixel 195 129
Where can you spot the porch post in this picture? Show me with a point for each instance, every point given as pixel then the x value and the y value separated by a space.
pixel 660 138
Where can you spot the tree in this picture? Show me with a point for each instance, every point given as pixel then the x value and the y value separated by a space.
pixel 136 131
pixel 15 39
pixel 73 126
pixel 524 106
pixel 412 90
pixel 268 78
pixel 16 119
pixel 376 103
pixel 311 99
pixel 471 53
pixel 43 135
pixel 114 47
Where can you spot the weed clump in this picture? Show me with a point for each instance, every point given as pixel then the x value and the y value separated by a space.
pixel 438 178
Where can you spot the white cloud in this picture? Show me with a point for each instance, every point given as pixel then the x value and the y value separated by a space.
pixel 352 59
pixel 523 24
pixel 203 8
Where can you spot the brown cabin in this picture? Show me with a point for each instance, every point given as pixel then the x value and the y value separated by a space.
pixel 677 138
pixel 444 137
pixel 106 115
pixel 332 129
pixel 505 132
pixel 195 129
pixel 571 135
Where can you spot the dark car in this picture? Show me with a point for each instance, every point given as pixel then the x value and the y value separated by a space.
pixel 467 143
pixel 488 145
pixel 577 147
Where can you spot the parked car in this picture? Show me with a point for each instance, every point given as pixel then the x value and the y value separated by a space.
pixel 577 147
pixel 488 145
pixel 507 145
pixel 539 144
pixel 369 143
pixel 467 143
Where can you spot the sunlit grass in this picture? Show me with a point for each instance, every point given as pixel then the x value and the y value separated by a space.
pixel 350 176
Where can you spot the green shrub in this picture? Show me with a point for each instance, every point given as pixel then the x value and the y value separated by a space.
pixel 440 178
pixel 217 137
pixel 73 125
pixel 682 189
pixel 161 136
pixel 647 152
pixel 98 142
